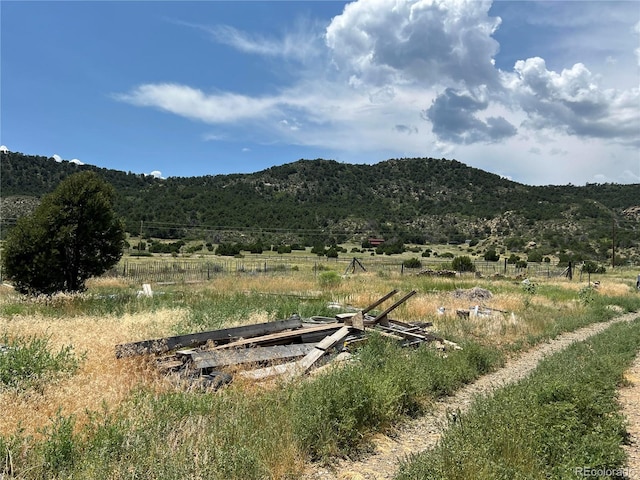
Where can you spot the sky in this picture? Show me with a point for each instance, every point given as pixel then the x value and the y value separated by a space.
pixel 542 93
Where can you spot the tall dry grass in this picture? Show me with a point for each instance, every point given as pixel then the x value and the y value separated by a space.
pixel 101 381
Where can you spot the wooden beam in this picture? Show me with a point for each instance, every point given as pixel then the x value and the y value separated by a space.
pixel 287 370
pixel 321 348
pixel 293 369
pixel 380 300
pixel 162 345
pixel 426 337
pixel 381 316
pixel 224 358
pixel 282 336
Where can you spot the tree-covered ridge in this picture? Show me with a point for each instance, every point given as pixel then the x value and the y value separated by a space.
pixel 412 199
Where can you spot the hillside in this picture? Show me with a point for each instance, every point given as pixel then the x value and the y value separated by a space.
pixel 417 200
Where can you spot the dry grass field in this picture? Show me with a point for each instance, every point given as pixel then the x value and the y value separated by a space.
pixel 110 313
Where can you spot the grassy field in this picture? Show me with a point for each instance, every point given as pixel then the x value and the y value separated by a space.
pixel 563 418
pixel 77 412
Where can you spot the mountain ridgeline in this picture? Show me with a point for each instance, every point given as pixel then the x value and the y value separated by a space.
pixel 412 200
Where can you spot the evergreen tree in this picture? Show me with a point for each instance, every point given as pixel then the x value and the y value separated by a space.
pixel 71 236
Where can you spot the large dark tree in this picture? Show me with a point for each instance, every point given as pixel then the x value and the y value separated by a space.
pixel 71 236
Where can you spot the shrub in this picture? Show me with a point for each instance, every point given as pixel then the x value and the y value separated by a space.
pixel 329 279
pixel 28 360
pixel 534 256
pixel 592 267
pixel 491 255
pixel 412 263
pixel 463 264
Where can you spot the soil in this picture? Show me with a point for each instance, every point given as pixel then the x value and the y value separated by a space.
pixel 423 433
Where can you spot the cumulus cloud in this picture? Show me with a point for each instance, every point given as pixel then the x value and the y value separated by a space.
pixel 573 101
pixel 76 161
pixel 57 157
pixel 382 42
pixel 156 174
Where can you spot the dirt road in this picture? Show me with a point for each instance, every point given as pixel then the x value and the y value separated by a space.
pixel 423 433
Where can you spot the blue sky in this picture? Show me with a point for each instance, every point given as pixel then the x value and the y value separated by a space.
pixel 539 92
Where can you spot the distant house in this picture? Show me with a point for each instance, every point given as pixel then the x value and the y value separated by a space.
pixel 4 149
pixel 376 242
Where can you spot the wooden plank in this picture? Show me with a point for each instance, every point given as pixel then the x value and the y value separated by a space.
pixel 286 370
pixel 321 348
pixel 223 358
pixel 162 345
pixel 282 336
pixel 293 369
pixel 427 337
pixel 379 301
pixel 315 337
pixel 382 316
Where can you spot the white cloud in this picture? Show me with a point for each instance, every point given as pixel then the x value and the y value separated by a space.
pixel 195 104
pixel 156 174
pixel 76 161
pixel 418 78
pixel 301 44
pixel 57 157
pixel 429 42
pixel 637 50
pixel 573 101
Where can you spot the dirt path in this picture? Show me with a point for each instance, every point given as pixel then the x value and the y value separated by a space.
pixel 629 398
pixel 423 433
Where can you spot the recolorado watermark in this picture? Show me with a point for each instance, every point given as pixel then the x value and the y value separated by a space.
pixel 622 472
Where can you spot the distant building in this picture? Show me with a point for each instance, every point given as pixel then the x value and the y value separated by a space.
pixel 4 149
pixel 376 242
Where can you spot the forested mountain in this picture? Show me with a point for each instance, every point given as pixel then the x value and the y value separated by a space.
pixel 414 200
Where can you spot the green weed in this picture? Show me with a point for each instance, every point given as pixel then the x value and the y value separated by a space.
pixel 27 361
pixel 562 418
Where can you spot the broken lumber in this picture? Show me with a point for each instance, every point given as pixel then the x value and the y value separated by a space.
pixel 225 358
pixel 162 345
pixel 321 348
pixel 279 337
pixel 294 369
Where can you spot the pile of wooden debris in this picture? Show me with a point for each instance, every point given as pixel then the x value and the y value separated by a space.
pixel 286 348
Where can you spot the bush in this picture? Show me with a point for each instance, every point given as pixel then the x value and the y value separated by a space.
pixel 28 360
pixel 463 264
pixel 491 255
pixel 412 263
pixel 329 279
pixel 592 267
pixel 534 256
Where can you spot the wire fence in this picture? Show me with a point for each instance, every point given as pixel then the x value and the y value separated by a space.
pixel 203 269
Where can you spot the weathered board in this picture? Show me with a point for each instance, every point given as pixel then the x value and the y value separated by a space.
pixel 162 345
pixel 321 348
pixel 279 337
pixel 223 358
pixel 294 369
